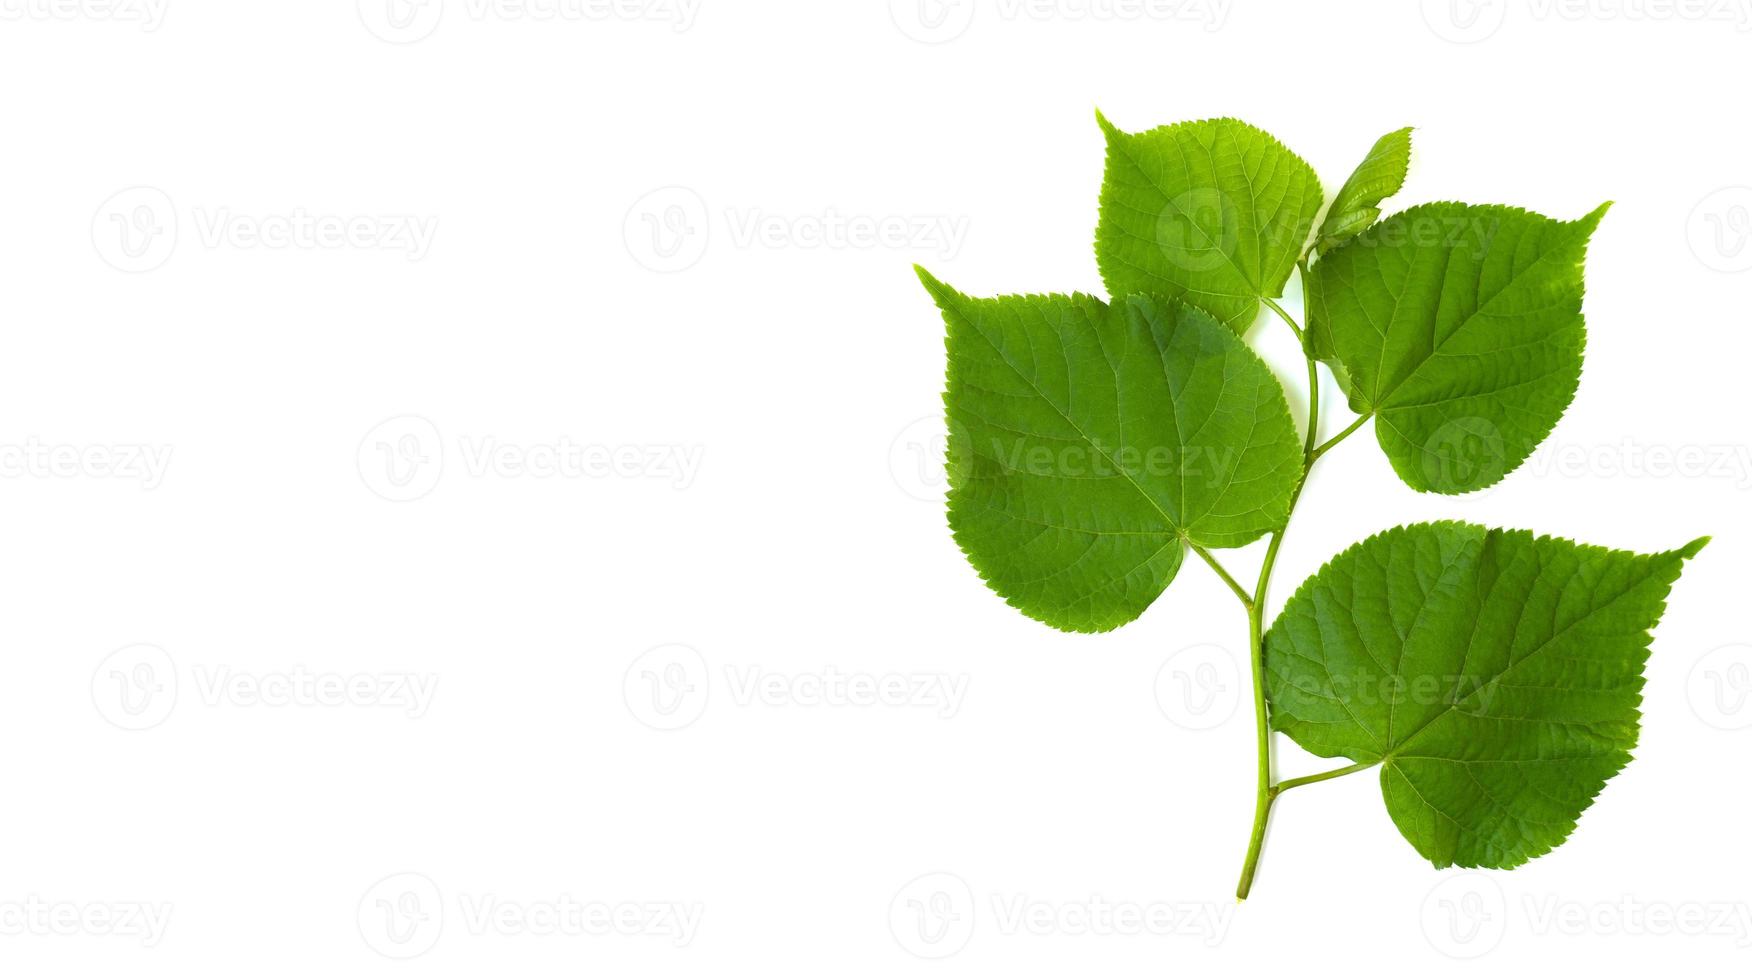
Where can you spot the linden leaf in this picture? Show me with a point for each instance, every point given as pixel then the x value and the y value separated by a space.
pixel 1091 444
pixel 1495 677
pixel 1215 212
pixel 1459 327
pixel 1378 177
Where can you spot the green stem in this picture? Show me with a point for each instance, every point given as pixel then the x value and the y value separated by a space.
pixel 1263 800
pixel 1265 793
pixel 1261 725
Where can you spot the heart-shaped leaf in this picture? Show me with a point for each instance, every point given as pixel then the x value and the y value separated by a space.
pixel 1215 212
pixel 1459 327
pixel 1495 677
pixel 1090 445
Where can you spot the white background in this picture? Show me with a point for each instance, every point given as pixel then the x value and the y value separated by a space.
pixel 741 318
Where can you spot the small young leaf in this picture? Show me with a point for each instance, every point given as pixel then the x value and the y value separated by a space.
pixel 1460 328
pixel 1090 444
pixel 1215 212
pixel 1377 178
pixel 1495 677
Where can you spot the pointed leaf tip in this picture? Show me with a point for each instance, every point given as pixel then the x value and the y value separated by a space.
pixel 1107 127
pixel 936 287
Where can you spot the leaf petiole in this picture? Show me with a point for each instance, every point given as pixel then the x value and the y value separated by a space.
pixel 1223 573
pixel 1294 326
pixel 1318 451
pixel 1320 777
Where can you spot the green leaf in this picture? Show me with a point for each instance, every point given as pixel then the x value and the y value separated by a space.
pixel 1378 177
pixel 1090 444
pixel 1459 327
pixel 1495 677
pixel 1214 212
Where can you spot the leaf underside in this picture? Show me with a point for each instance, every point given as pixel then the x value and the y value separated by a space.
pixel 1214 212
pixel 1460 328
pixel 1495 676
pixel 1091 444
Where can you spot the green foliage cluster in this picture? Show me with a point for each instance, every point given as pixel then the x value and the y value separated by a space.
pixel 1492 676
